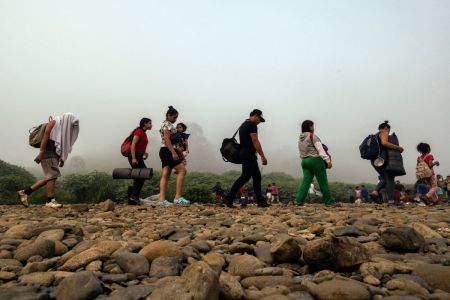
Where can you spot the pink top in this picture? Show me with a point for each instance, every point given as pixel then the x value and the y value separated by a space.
pixel 274 190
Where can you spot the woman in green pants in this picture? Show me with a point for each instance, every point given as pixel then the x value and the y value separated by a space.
pixel 315 161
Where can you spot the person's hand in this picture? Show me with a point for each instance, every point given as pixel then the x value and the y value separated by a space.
pixel 175 156
pixel 134 161
pixel 264 160
pixel 39 157
pixel 437 163
pixel 61 163
pixel 329 164
pixel 400 149
pixel 145 156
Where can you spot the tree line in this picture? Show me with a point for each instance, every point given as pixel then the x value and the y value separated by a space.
pixel 98 186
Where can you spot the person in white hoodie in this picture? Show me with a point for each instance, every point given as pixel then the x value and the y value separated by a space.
pixel 315 161
pixel 56 144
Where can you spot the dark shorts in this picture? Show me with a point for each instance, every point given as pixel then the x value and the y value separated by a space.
pixel 167 159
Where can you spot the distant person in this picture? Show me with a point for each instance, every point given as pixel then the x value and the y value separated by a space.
pixel 250 145
pixel 358 194
pixel 386 178
pixel 313 192
pixel 315 161
pixel 269 193
pixel 275 193
pixel 364 193
pixel 399 190
pixel 170 159
pixel 218 191
pixel 250 195
pixel 407 197
pixel 441 187
pixel 242 198
pixel 138 153
pixel 425 156
pixel 56 144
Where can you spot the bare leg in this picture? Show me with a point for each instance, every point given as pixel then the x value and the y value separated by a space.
pixel 51 188
pixel 163 183
pixel 181 169
pixel 40 183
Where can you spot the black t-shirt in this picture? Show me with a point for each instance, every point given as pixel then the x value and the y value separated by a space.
pixel 246 129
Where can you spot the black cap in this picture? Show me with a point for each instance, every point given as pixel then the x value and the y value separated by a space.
pixel 258 113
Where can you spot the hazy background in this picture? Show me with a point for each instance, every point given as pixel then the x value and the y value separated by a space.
pixel 347 65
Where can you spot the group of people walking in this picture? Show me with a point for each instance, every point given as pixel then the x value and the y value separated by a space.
pixel 61 133
pixel 173 151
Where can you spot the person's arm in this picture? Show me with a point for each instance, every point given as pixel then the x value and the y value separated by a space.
pixel 44 141
pixel 257 145
pixel 384 137
pixel 133 149
pixel 186 145
pixel 168 143
pixel 322 153
pixel 431 162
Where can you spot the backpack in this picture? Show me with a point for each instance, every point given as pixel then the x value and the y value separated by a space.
pixel 230 150
pixel 36 134
pixel 370 147
pixel 423 170
pixel 125 148
pixel 394 164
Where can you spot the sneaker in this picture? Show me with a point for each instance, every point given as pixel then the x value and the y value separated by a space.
pixel 133 201
pixel 150 202
pixel 23 198
pixel 182 201
pixel 228 203
pixel 421 204
pixel 53 204
pixel 167 203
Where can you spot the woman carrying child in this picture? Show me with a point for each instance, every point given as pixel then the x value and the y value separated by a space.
pixel 171 159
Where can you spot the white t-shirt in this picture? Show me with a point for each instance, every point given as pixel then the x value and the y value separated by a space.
pixel 166 125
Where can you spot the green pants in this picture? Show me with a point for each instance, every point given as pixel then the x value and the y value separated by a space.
pixel 314 166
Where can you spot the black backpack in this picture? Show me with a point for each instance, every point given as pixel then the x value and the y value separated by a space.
pixel 370 147
pixel 230 150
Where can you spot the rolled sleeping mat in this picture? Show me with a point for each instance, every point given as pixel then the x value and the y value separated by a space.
pixel 128 173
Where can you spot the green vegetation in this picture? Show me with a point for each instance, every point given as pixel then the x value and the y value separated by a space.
pixel 12 179
pixel 98 186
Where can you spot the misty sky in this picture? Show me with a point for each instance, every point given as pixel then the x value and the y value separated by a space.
pixel 347 65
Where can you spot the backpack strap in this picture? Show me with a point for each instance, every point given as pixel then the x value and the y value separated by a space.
pixel 234 135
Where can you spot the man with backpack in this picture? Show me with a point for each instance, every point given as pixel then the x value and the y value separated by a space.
pixel 55 142
pixel 249 147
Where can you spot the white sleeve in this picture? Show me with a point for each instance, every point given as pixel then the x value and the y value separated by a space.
pixel 319 148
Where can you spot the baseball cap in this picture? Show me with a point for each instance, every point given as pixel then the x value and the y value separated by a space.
pixel 258 113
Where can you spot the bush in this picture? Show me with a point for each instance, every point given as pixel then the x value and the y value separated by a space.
pixel 12 179
pixel 99 186
pixel 92 187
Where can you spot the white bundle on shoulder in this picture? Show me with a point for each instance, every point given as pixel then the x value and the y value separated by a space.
pixel 64 134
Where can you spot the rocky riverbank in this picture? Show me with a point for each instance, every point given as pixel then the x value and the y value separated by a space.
pixel 109 251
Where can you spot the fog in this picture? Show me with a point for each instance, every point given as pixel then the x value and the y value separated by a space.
pixel 347 65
